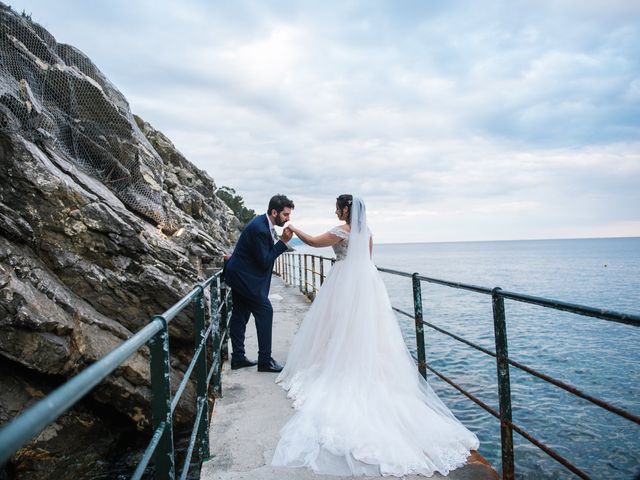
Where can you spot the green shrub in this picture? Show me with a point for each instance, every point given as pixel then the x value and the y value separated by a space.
pixel 236 203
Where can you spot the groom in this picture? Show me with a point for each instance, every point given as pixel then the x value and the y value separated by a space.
pixel 248 273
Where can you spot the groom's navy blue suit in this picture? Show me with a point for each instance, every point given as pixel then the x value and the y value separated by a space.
pixel 248 273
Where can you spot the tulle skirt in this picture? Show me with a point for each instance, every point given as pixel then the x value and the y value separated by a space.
pixel 362 406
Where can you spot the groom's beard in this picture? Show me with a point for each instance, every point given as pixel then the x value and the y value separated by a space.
pixel 279 221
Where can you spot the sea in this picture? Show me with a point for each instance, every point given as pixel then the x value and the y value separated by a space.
pixel 599 357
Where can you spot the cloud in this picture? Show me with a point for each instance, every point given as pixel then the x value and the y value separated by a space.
pixel 454 119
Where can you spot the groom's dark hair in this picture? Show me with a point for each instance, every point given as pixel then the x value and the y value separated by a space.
pixel 278 203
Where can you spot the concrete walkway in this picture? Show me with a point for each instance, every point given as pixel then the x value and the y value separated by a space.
pixel 246 421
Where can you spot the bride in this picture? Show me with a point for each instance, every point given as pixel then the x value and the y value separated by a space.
pixel 362 406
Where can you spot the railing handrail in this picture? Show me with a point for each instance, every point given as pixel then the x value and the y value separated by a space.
pixel 36 418
pixel 587 311
pixel 501 354
pixel 611 315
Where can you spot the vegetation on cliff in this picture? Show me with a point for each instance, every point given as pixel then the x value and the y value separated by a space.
pixel 236 203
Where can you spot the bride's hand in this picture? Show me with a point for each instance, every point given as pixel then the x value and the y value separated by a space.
pixel 287 234
pixel 292 228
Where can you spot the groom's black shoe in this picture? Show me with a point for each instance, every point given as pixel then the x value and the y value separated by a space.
pixel 242 363
pixel 272 366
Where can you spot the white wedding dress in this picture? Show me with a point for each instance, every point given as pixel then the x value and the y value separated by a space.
pixel 362 406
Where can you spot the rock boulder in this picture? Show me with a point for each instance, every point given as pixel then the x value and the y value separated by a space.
pixel 103 223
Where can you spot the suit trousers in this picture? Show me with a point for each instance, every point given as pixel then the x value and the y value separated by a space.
pixel 262 312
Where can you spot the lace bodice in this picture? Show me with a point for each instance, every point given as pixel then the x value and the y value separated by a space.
pixel 340 248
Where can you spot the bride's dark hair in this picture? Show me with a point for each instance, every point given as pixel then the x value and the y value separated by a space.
pixel 345 200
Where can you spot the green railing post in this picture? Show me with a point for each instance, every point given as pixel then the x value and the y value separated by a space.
pixel 300 271
pixel 504 384
pixel 161 401
pixel 224 321
pixel 313 276
pixel 285 268
pixel 321 271
pixel 306 282
pixel 201 374
pixel 215 339
pixel 417 308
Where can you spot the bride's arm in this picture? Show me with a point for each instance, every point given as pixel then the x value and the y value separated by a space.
pixel 326 239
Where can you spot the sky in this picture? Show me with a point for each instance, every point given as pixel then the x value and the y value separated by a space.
pixel 453 120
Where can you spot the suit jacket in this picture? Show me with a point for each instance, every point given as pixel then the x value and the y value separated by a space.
pixel 248 271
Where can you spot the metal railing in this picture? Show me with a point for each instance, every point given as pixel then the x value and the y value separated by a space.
pixel 156 335
pixel 286 268
pixel 300 269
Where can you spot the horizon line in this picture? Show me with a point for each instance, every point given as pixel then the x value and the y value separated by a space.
pixel 510 240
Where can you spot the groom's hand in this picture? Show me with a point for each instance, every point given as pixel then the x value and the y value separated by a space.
pixel 286 235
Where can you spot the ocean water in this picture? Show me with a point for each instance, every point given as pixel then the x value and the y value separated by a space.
pixel 598 357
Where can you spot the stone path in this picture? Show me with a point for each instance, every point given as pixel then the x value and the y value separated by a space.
pixel 246 421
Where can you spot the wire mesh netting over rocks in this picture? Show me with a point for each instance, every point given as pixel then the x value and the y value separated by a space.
pixel 59 99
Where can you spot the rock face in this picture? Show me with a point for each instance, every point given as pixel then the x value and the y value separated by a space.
pixel 103 223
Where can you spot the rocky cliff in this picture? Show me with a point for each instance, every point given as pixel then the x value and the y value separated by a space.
pixel 103 223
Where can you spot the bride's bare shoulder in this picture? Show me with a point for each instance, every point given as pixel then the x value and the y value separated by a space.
pixel 340 230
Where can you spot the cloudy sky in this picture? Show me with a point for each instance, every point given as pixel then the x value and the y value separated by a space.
pixel 454 120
